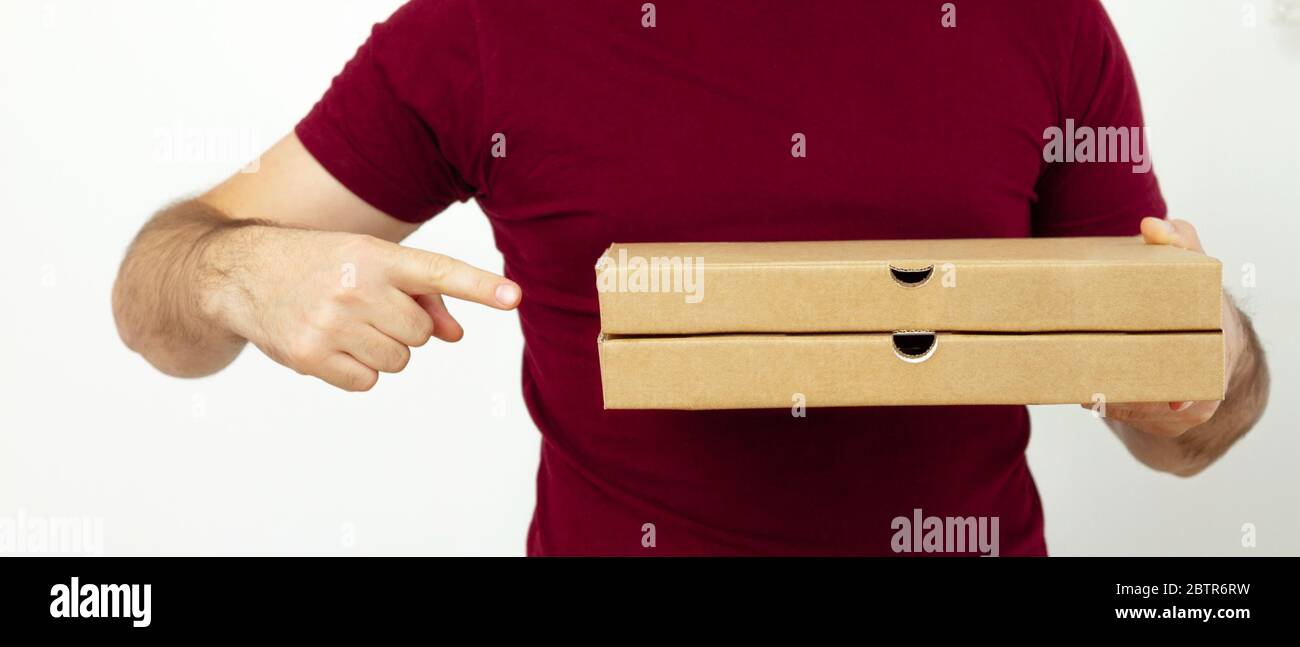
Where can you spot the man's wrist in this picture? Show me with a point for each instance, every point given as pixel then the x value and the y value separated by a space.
pixel 225 261
pixel 1236 340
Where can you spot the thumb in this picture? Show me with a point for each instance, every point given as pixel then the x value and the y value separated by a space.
pixel 1178 233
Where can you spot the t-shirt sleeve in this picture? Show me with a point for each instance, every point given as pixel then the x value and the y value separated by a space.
pixel 397 125
pixel 1098 91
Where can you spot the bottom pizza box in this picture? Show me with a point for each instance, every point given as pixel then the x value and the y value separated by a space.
pixel 749 371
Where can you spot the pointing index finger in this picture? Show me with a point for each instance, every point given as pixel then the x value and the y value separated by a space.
pixel 418 272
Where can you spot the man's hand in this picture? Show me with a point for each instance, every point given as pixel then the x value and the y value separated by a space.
pixel 1173 419
pixel 1185 437
pixel 338 306
pixel 289 259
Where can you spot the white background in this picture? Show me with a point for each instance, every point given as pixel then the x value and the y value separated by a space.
pixel 441 459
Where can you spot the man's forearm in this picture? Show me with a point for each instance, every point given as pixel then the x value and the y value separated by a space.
pixel 161 300
pixel 1193 451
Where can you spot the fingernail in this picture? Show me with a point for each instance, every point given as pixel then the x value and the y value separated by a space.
pixel 1175 238
pixel 507 294
pixel 1179 406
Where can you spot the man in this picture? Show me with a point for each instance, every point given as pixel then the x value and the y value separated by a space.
pixel 574 124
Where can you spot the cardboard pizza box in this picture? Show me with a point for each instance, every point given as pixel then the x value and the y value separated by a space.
pixel 857 323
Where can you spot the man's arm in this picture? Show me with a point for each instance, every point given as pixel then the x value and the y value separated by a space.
pixel 289 259
pixel 159 300
pixel 1184 438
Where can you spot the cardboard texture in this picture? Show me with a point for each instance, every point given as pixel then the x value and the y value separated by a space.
pixel 997 321
pixel 992 285
pixel 766 371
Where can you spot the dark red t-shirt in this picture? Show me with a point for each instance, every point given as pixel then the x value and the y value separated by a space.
pixel 615 131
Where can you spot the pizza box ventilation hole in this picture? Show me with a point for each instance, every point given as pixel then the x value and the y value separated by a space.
pixel 911 277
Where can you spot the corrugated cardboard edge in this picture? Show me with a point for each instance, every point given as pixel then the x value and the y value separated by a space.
pixel 600 359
